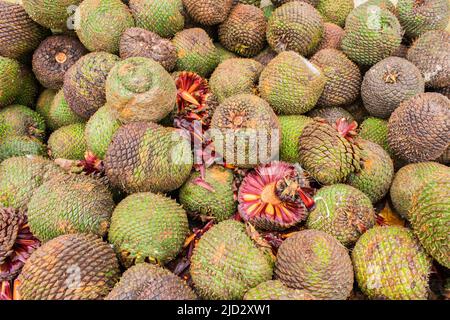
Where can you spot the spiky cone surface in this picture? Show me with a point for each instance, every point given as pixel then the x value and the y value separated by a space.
pixel 223 53
pixel 388 83
pixel 291 84
pixel 19 34
pixel 68 142
pixel 100 23
pixel 343 212
pixel 226 262
pixel 291 130
pixel 335 11
pixel 419 129
pixel 235 76
pixel 162 17
pixel 265 56
pixel 242 124
pixel 275 196
pixel 100 130
pixel 16 242
pixel 418 17
pixel 13 146
pixel 21 176
pixel 252 2
pixel 371 34
pixel 10 81
pixel 138 42
pixel 244 31
pixel 390 264
pixel 216 201
pixel 430 217
pixel 50 14
pixel 409 180
pixel 278 3
pixel 357 110
pixel 140 89
pixel 208 12
pixel 375 130
pixel 84 82
pixel 150 282
pixel 314 261
pixel 295 26
pixel 147 227
pixel 70 204
pixel 444 90
pixel 332 37
pixel 29 89
pixel 69 267
pixel 144 156
pixel 343 78
pixel 60 114
pixel 377 172
pixel 18 120
pixel 326 155
pixel 196 51
pixel 54 56
pixel 330 114
pixel 276 290
pixel 431 54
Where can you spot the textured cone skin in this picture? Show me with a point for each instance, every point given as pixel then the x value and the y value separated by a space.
pixel 376 130
pixel 235 76
pixel 196 51
pixel 50 14
pixel 431 54
pixel 70 267
pixel 147 157
pixel 13 146
pixel 372 34
pixel 137 42
pixel 335 11
pixel 332 37
pixel 140 89
pixel 342 211
pixel 375 177
pixel 21 176
pixel 409 180
pixel 68 142
pixel 430 217
pixel 219 203
pixel 70 204
pixel 150 282
pixel 101 23
pixel 265 56
pixel 208 12
pixel 226 263
pixel 19 34
pixel 419 129
pixel 17 120
pixel 237 123
pixel 84 82
pixel 162 17
pixel 148 227
pixel 223 53
pixel 331 114
pixel 276 290
pixel 390 264
pixel 357 110
pixel 388 83
pixel 326 155
pixel 100 130
pixel 316 262
pixel 418 17
pixel 244 31
pixel 29 89
pixel 10 81
pixel 343 78
pixel 291 84
pixel 295 26
pixel 60 114
pixel 54 56
pixel 291 130
pixel 280 2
